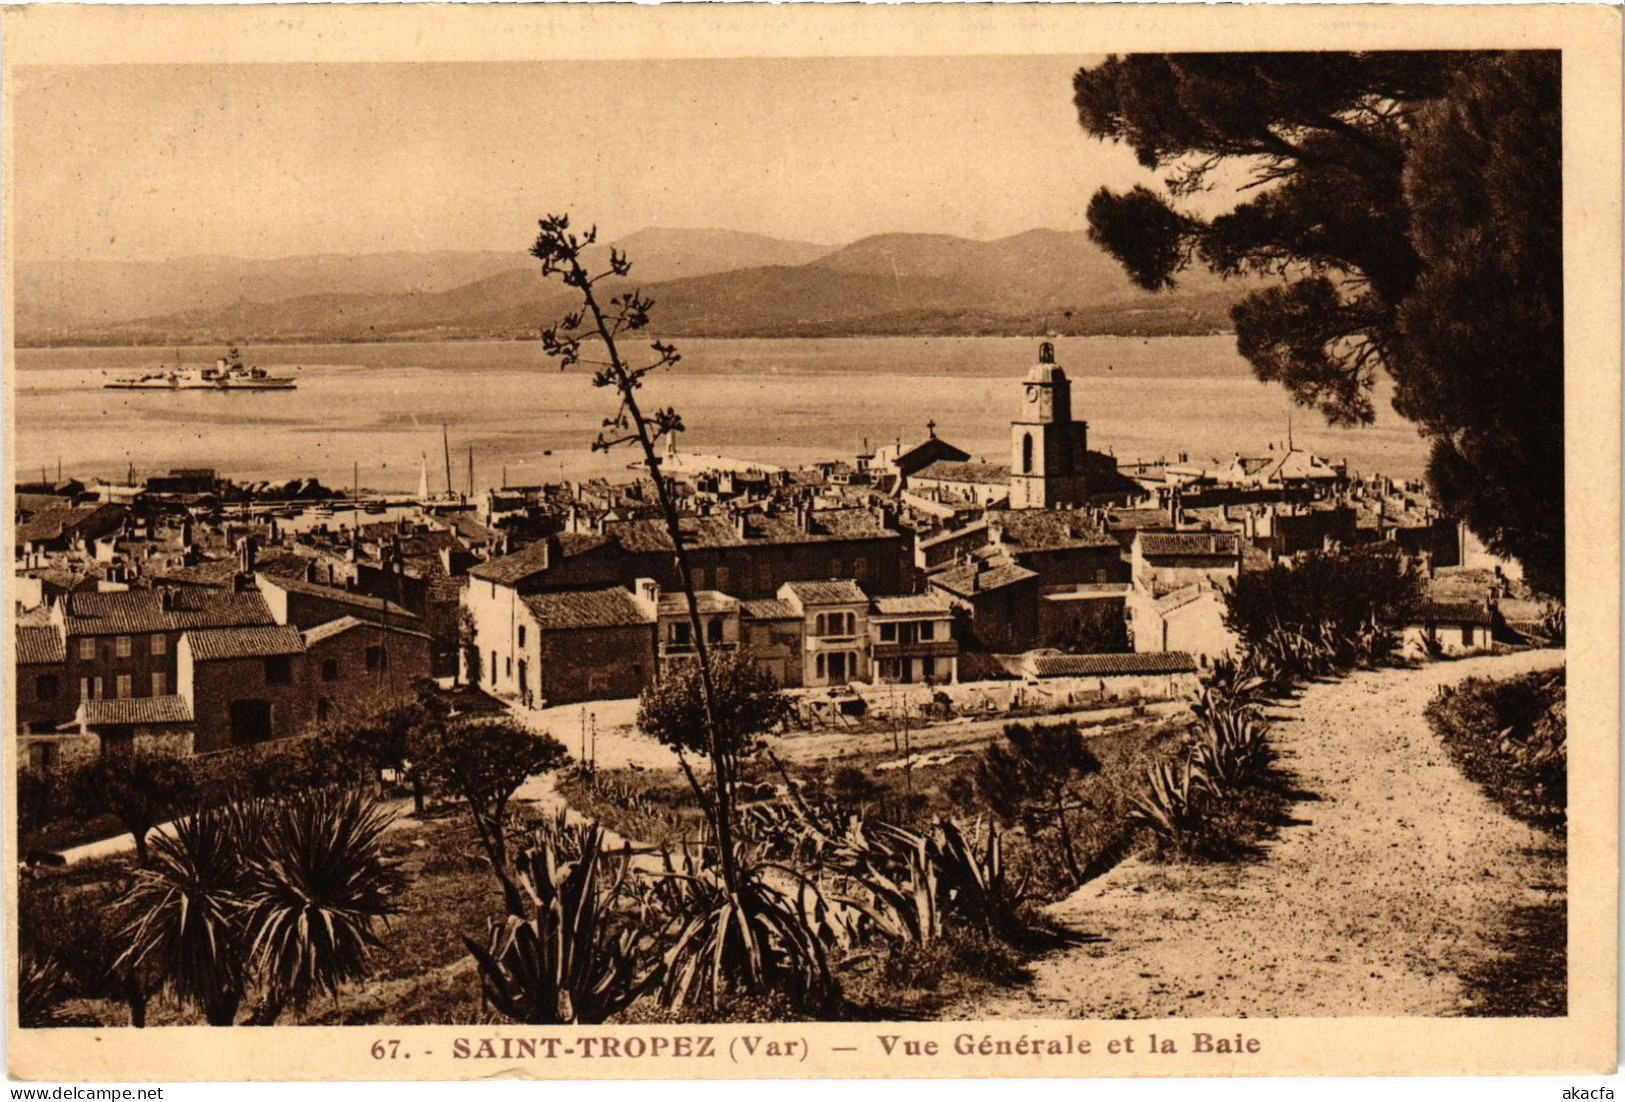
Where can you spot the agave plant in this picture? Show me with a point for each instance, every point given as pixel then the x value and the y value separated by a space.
pixel 186 918
pixel 972 876
pixel 316 885
pixel 579 958
pixel 772 935
pixel 1173 800
pixel 41 986
pixel 1232 748
pixel 899 891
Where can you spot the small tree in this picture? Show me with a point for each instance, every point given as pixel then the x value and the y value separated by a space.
pixel 142 789
pixel 1030 776
pixel 483 761
pixel 747 703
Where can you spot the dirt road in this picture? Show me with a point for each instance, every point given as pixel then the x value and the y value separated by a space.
pixel 1386 889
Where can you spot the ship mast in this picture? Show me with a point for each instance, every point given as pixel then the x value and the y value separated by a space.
pixel 445 443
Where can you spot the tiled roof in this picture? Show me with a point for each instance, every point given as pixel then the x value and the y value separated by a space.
pixel 920 604
pixel 768 610
pixel 322 632
pixel 707 600
pixel 593 608
pixel 1112 665
pixel 948 535
pixel 219 644
pixel 136 711
pixel 835 592
pixel 1194 544
pixel 1047 529
pixel 508 569
pixel 1136 518
pixel 51 523
pixel 959 581
pixel 1437 612
pixel 141 611
pixel 342 596
pixel 40 646
pixel 645 536
pixel 946 470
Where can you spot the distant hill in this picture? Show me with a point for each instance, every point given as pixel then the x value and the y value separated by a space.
pixel 704 282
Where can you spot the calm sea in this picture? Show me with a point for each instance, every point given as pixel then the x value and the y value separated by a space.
pixel 381 407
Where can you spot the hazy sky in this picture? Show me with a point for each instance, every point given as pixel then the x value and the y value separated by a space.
pixel 139 162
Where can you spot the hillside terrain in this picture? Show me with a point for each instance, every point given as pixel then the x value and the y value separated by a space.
pixel 706 283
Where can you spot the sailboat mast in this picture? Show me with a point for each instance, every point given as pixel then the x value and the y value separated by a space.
pixel 355 503
pixel 445 443
pixel 471 472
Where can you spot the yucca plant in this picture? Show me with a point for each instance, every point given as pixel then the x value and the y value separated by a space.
pixel 771 936
pixel 317 884
pixel 579 958
pixel 185 912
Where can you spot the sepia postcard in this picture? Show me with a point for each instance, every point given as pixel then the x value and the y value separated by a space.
pixel 717 541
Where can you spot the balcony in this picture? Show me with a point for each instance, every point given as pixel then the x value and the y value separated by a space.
pixel 940 648
pixel 687 650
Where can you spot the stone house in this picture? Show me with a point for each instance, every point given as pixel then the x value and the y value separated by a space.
pixel 355 667
pixel 244 685
pixel 1001 599
pixel 834 623
pixel 1453 630
pixel 773 632
pixel 719 620
pixel 911 640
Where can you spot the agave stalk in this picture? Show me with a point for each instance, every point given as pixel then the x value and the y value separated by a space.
pixel 560 252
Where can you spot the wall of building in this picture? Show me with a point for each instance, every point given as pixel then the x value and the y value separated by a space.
pixel 818 650
pixel 44 712
pixel 1096 624
pixel 56 753
pixel 107 664
pixel 777 647
pixel 498 613
pixel 610 663
pixel 212 687
pixel 348 686
pixel 1197 628
pixel 1452 640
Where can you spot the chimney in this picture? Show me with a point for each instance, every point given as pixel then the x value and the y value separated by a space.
pixel 740 525
pixel 310 571
pixel 245 555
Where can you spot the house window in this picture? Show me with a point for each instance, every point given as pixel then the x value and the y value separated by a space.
pixel 121 687
pixel 493 667
pixel 819 624
pixel 378 661
pixel 860 568
pixel 250 721
pixel 121 646
pixel 160 684
pixel 324 707
pixel 837 568
pixel 1467 636
pixel 160 645
pixel 1027 453
pixel 45 687
pixel 521 636
pixel 507 666
pixel 87 650
pixel 699 577
pixel 722 578
pixel 888 633
pixel 330 669
pixel 84 688
pixel 713 631
pixel 679 633
pixel 278 670
pixel 818 665
pixel 928 631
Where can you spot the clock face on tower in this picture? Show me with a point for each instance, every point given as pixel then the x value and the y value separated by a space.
pixel 1032 396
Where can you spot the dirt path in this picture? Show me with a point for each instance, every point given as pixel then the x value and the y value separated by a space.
pixel 1388 886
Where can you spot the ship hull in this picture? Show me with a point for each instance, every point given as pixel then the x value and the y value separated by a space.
pixel 262 384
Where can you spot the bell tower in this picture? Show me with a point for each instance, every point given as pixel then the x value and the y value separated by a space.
pixel 1048 449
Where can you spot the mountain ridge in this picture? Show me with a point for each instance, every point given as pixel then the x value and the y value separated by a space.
pixel 704 282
